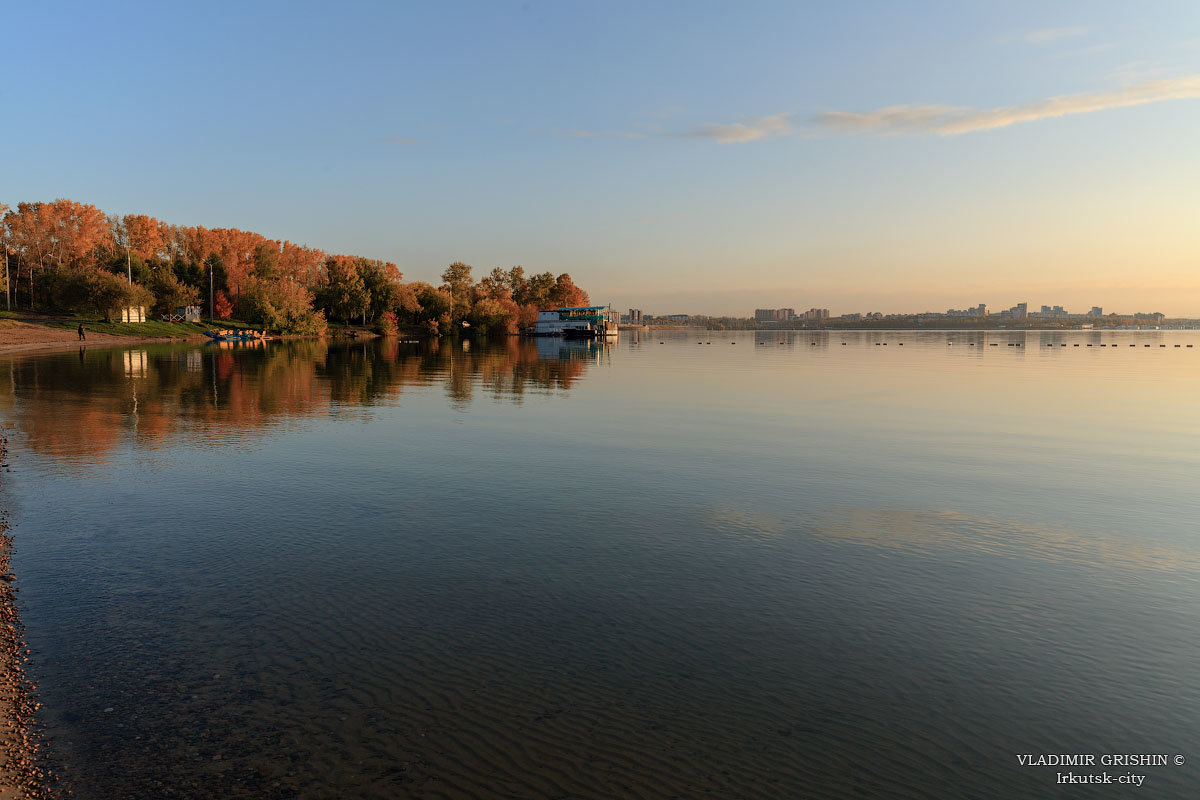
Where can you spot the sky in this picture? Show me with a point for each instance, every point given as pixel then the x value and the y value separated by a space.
pixel 679 157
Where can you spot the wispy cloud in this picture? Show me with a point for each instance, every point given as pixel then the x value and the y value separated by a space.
pixel 1050 35
pixel 953 121
pixel 1088 50
pixel 739 132
pixel 723 133
pixel 401 140
pixel 603 134
pixel 1044 35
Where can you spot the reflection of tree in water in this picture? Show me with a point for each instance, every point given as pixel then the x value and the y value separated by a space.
pixel 506 369
pixel 80 406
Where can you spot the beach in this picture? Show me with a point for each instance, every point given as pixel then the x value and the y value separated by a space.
pixel 23 337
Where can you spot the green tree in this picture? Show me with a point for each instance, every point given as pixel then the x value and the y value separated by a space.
pixel 538 290
pixel 457 279
pixel 285 306
pixel 170 292
pixel 342 294
pixel 107 293
pixel 266 260
pixel 381 284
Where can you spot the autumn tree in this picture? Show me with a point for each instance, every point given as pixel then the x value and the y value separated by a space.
pixel 496 285
pixel 61 234
pixel 222 307
pixel 566 294
pixel 141 235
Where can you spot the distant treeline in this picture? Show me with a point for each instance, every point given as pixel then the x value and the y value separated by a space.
pixel 70 256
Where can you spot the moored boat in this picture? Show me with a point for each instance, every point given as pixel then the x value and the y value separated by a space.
pixel 577 322
pixel 235 335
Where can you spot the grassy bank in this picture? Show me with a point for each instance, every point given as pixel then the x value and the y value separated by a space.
pixel 149 328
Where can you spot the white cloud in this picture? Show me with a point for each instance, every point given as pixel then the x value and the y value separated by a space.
pixel 738 132
pixel 953 121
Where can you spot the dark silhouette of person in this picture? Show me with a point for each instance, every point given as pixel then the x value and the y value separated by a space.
pixel 82 337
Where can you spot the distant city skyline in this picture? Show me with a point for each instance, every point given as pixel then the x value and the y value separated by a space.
pixel 702 156
pixel 816 312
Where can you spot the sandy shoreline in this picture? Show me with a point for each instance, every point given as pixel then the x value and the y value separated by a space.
pixel 25 337
pixel 22 775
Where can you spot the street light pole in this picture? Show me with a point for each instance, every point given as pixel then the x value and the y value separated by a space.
pixel 211 310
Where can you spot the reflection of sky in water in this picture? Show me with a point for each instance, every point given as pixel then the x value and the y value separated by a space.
pixel 771 565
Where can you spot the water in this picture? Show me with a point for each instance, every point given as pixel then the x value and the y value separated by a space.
pixel 769 566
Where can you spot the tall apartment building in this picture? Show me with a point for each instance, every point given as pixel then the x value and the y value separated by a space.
pixel 635 316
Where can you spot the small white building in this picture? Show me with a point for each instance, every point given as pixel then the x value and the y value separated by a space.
pixel 133 314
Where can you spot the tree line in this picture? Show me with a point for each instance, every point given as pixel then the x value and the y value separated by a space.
pixel 70 256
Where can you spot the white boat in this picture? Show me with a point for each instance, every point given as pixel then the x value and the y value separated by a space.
pixel 578 322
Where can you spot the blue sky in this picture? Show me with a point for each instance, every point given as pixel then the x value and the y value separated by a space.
pixel 703 157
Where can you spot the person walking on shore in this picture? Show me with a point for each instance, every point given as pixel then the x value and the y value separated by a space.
pixel 82 337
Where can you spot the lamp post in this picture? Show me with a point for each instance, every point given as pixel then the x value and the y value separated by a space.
pixel 211 310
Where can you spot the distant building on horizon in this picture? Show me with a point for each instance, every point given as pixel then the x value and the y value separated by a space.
pixel 980 310
pixel 774 314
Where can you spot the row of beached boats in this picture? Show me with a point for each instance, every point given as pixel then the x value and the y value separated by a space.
pixel 236 335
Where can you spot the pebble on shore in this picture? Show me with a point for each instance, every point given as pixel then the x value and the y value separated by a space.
pixel 23 773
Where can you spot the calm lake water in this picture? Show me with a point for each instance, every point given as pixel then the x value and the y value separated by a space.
pixel 775 566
